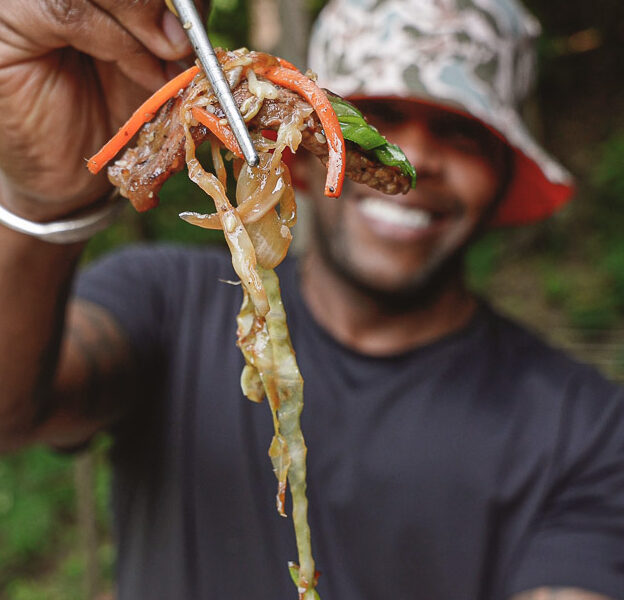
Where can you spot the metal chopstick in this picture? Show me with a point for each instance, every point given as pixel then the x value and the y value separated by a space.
pixel 198 37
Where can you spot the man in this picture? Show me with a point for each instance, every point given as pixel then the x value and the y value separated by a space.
pixel 451 454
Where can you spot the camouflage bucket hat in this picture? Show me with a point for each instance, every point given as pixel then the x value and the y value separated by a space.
pixel 475 57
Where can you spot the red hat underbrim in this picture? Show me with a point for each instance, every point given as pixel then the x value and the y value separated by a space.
pixel 531 197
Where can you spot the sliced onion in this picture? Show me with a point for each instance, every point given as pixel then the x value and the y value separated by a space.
pixel 287 203
pixel 289 132
pixel 236 59
pixel 243 254
pixel 256 197
pixel 250 107
pixel 260 88
pixel 210 221
pixel 261 143
pixel 217 162
pixel 234 76
pixel 271 239
pixel 259 188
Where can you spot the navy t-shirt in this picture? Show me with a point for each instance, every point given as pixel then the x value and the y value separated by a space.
pixel 473 468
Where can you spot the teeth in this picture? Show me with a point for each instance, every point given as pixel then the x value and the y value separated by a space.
pixel 395 214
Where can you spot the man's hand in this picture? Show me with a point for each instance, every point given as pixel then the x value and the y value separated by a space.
pixel 71 71
pixel 549 593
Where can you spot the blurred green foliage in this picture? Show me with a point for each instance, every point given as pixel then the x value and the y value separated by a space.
pixel 608 178
pixel 228 24
pixel 36 495
pixel 38 535
pixel 595 299
pixel 483 259
pixel 62 582
pixel 581 253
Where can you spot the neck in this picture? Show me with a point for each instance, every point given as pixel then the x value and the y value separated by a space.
pixel 360 321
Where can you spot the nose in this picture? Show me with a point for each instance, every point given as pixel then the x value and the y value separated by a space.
pixel 420 147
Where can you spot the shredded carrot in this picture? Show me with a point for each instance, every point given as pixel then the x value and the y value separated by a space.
pixel 220 129
pixel 284 63
pixel 143 114
pixel 306 88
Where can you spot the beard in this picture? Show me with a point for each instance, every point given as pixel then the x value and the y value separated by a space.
pixel 417 292
pixel 424 287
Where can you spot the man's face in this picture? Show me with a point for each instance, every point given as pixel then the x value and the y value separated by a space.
pixel 398 244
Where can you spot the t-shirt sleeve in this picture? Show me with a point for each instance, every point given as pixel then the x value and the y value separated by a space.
pixel 578 539
pixel 129 285
pixel 147 289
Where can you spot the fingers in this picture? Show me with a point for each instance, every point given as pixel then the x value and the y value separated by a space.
pixel 152 24
pixel 90 29
pixel 134 34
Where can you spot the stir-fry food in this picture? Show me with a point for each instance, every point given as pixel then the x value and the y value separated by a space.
pixel 273 97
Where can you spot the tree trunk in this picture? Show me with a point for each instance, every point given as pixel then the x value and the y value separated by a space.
pixel 87 525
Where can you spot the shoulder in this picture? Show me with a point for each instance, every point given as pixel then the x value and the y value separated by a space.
pixel 154 268
pixel 548 379
pixel 150 288
pixel 527 351
pixel 163 257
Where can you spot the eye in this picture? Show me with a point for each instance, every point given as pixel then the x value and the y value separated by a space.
pixel 461 134
pixel 383 115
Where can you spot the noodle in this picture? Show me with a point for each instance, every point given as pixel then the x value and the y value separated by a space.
pixel 258 238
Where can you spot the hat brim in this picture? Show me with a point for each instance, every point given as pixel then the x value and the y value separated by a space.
pixel 531 196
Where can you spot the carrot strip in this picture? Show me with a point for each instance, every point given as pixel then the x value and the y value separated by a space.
pixel 143 114
pixel 287 65
pixel 221 130
pixel 306 88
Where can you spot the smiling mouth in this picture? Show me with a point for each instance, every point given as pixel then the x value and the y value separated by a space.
pixel 396 215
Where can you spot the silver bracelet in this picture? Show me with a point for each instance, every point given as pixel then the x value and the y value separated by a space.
pixel 67 231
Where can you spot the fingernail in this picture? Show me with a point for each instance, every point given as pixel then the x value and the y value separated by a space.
pixel 174 32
